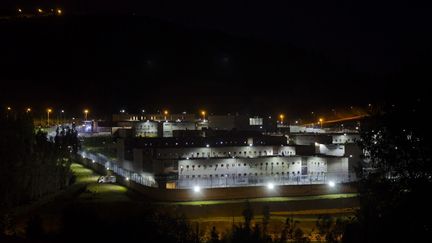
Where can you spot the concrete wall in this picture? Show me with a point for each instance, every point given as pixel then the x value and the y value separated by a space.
pixel 304 129
pixel 146 129
pixel 354 153
pixel 205 168
pixel 309 139
pixel 179 195
pixel 221 152
pixel 330 149
pixel 169 127
pixel 345 138
pixel 337 165
pixel 315 165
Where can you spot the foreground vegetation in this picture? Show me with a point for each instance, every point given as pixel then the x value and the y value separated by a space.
pixel 32 165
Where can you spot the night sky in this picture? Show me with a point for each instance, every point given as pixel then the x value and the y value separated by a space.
pixel 247 56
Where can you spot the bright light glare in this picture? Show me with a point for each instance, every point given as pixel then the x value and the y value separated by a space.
pixel 270 186
pixel 196 189
pixel 332 184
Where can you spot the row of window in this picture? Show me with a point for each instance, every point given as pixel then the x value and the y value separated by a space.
pixel 249 174
pixel 233 165
pixel 224 154
pixel 343 140
pixel 202 154
pixel 244 164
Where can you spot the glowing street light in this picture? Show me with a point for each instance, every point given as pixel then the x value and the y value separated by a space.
pixel 281 116
pixel 166 114
pixel 28 110
pixel 321 120
pixel 40 10
pixel 86 111
pixel 49 110
pixel 203 113
pixel 59 11
pixel 196 189
pixel 19 10
pixel 332 184
pixel 9 108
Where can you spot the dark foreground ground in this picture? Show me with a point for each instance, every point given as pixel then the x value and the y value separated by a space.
pixel 110 212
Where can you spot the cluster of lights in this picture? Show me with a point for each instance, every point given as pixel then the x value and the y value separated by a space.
pixel 270 186
pixel 58 11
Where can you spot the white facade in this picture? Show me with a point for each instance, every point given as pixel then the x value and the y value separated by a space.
pixel 295 165
pixel 154 128
pixel 169 127
pixel 224 152
pixel 345 138
pixel 146 129
pixel 330 149
pixel 238 167
pixel 304 129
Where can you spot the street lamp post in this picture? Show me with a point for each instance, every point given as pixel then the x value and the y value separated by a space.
pixel 48 115
pixel 86 111
pixel 281 116
pixel 203 113
pixel 62 118
pixel 321 121
pixel 166 114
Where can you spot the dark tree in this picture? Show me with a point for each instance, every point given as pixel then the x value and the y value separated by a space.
pixel 248 215
pixel 32 165
pixel 287 233
pixel 34 228
pixel 331 229
pixel 265 223
pixel 396 176
pixel 214 236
